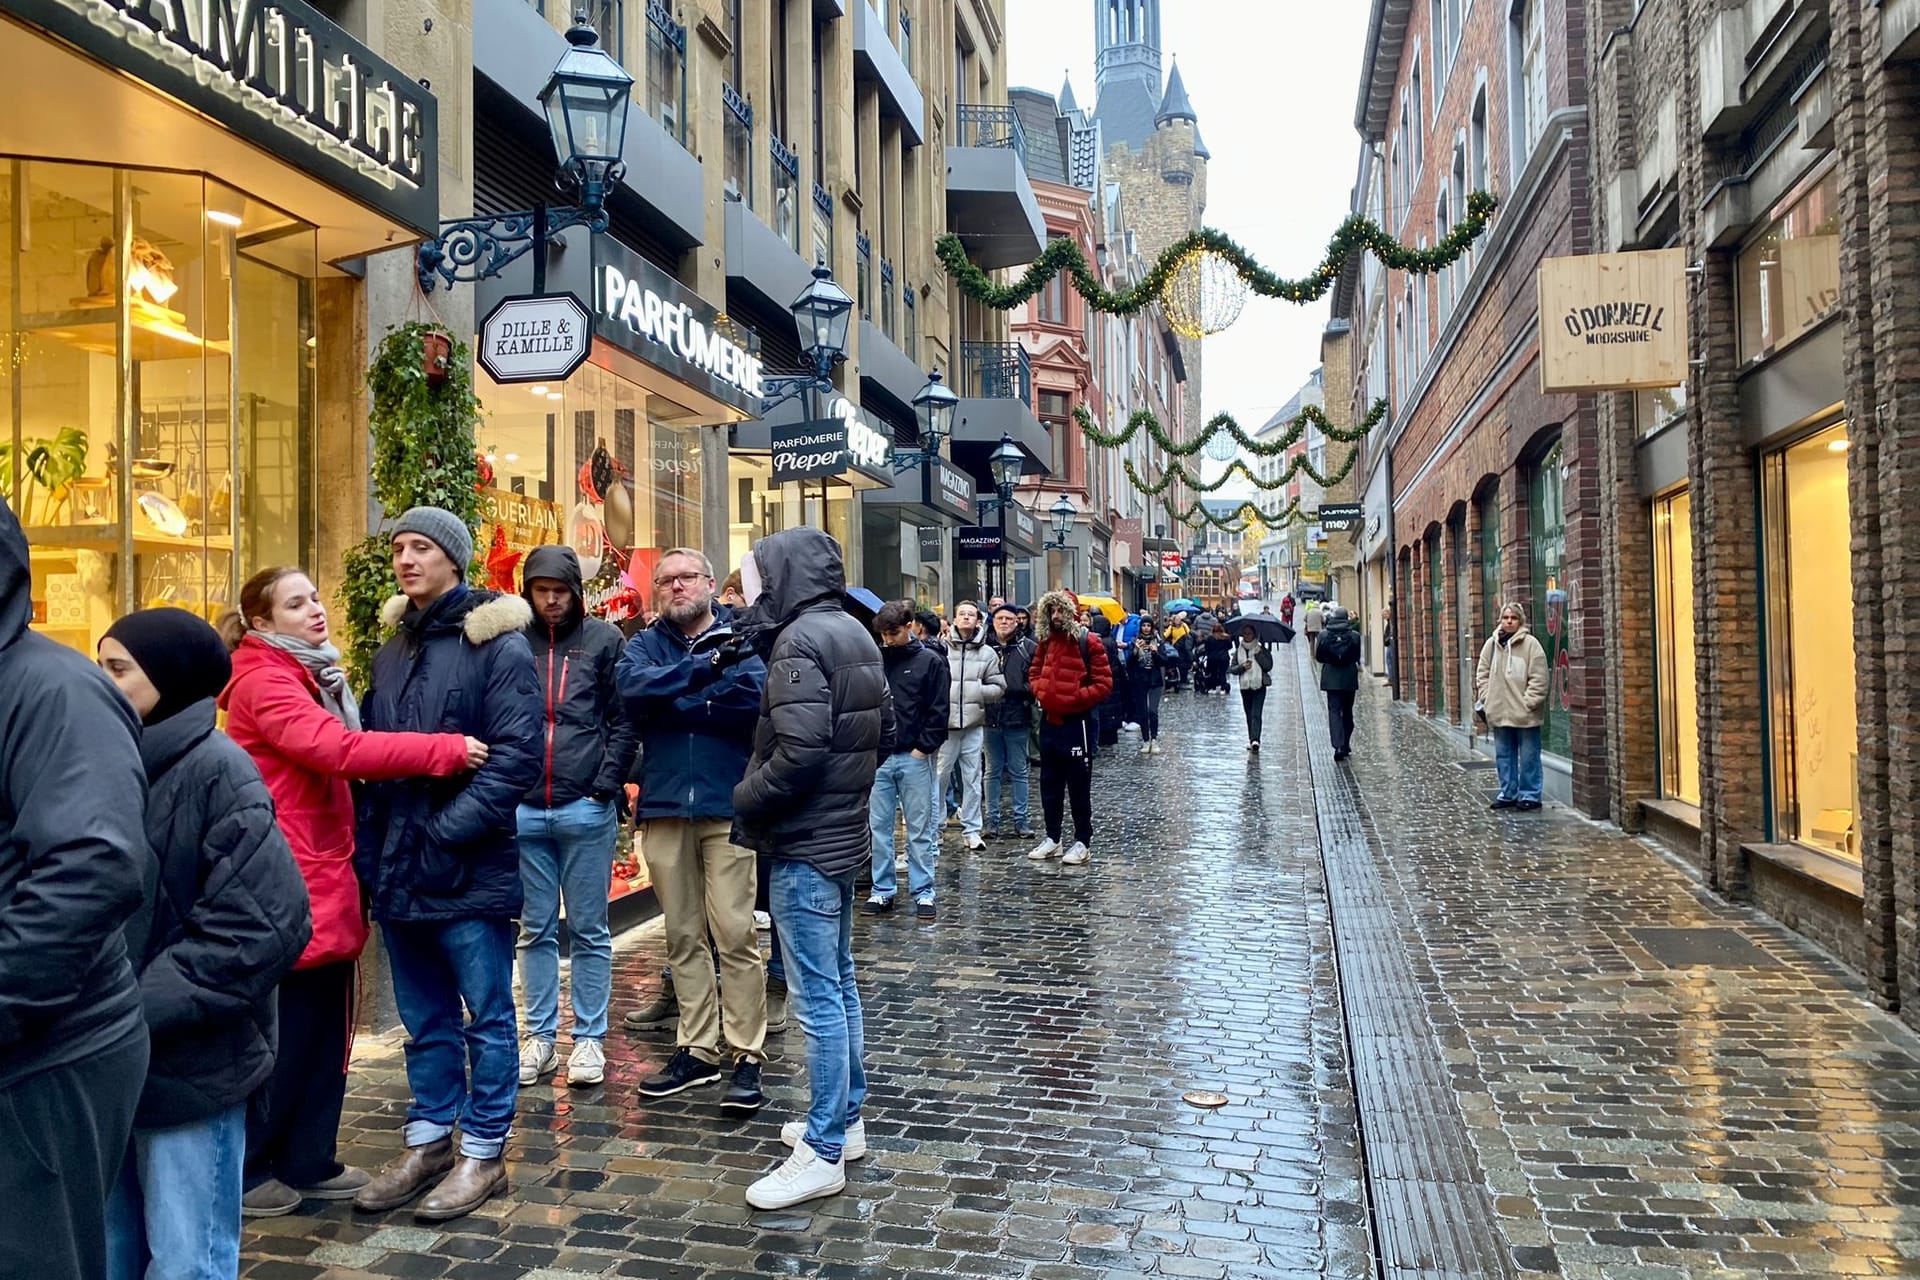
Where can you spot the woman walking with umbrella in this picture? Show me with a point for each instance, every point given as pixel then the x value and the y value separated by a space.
pixel 1252 665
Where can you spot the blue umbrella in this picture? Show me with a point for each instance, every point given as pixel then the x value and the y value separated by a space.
pixel 862 604
pixel 1182 606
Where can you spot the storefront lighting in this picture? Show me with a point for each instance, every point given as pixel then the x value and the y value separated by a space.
pixel 512 457
pixel 539 390
pixel 224 218
pixel 1836 446
pixel 556 395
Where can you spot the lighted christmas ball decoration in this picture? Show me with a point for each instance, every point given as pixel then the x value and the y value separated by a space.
pixel 1221 447
pixel 1204 294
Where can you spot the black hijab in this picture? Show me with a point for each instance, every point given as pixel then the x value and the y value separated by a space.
pixel 184 657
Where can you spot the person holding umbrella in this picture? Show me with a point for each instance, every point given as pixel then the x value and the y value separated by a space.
pixel 1252 664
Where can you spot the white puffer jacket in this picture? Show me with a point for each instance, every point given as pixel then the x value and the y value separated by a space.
pixel 974 680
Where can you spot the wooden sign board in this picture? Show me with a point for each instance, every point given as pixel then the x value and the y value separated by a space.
pixel 1613 321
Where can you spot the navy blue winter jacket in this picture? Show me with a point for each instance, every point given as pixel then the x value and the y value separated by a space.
pixel 696 724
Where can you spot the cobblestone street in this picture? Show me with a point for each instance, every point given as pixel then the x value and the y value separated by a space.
pixel 1567 1056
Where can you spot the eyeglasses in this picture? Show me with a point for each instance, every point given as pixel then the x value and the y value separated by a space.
pixel 682 579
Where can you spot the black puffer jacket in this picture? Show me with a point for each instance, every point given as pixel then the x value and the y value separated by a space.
pixel 826 715
pixel 444 848
pixel 588 736
pixel 229 919
pixel 73 854
pixel 1015 709
pixel 918 678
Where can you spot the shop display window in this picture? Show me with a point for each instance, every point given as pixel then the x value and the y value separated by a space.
pixel 1654 409
pixel 1679 721
pixel 1547 531
pixel 760 508
pixel 1789 275
pixel 1490 601
pixel 1810 658
pixel 156 405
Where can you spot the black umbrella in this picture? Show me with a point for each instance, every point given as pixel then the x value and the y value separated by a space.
pixel 1266 628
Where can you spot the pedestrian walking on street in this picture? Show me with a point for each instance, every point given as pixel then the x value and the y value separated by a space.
pixel 569 819
pixel 919 682
pixel 1510 689
pixel 1315 622
pixel 225 922
pixel 1109 715
pixel 1217 657
pixel 1010 725
pixel 1071 677
pixel 441 864
pixel 1149 660
pixel 976 684
pixel 1338 653
pixel 74 869
pixel 1252 667
pixel 694 688
pixel 289 708
pixel 824 721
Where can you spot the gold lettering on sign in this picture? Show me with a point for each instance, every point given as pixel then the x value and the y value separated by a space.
pixel 529 522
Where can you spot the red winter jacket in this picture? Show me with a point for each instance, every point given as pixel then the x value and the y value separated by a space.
pixel 1063 684
pixel 306 757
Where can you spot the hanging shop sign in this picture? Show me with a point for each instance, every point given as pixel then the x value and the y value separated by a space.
pixel 1613 321
pixel 1170 563
pixel 1339 517
pixel 949 489
pixel 809 450
pixel 976 542
pixel 928 540
pixel 1023 530
pixel 281 75
pixel 535 337
pixel 641 309
pixel 1314 567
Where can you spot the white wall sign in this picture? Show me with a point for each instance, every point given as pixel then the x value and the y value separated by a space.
pixel 535 337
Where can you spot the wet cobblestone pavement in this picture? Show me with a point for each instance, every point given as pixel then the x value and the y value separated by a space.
pixel 1609 1113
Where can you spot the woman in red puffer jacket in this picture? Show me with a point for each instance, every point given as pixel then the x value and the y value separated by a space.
pixel 289 707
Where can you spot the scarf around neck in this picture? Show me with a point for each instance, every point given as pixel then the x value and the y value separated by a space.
pixel 322 662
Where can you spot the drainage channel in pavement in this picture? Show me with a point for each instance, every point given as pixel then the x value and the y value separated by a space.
pixel 1432 1214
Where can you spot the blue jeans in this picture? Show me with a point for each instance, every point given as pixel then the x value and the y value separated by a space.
pixel 1007 758
pixel 962 751
pixel 438 966
pixel 903 784
pixel 175 1212
pixel 816 933
pixel 1516 755
pixel 567 853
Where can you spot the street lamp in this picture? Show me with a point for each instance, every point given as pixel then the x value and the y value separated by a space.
pixel 823 312
pixel 1006 464
pixel 586 101
pixel 1062 512
pixel 934 406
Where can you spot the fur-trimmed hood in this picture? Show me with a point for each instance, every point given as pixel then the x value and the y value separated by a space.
pixel 488 617
pixel 1052 601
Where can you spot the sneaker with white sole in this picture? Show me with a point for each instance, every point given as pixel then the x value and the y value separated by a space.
pixel 855 1147
pixel 975 842
pixel 804 1176
pixel 1146 748
pixel 1045 849
pixel 1077 856
pixel 587 1064
pixel 536 1059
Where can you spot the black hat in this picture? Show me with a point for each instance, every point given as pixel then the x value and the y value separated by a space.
pixel 183 657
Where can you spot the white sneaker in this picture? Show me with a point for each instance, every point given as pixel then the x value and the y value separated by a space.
pixel 856 1141
pixel 804 1176
pixel 1045 849
pixel 587 1064
pixel 536 1059
pixel 762 922
pixel 1154 746
pixel 975 842
pixel 1077 856
pixel 1146 748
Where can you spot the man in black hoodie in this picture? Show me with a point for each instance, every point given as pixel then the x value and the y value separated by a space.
pixel 824 720
pixel 918 679
pixel 567 822
pixel 74 869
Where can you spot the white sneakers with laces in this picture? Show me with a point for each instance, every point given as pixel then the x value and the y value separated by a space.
pixel 587 1064
pixel 1045 849
pixel 976 842
pixel 1077 856
pixel 855 1148
pixel 536 1059
pixel 804 1176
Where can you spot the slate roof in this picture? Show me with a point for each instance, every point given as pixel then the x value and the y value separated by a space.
pixel 1174 104
pixel 1126 110
pixel 1040 121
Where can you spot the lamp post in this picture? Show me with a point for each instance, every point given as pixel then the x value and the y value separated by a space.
pixel 586 101
pixel 1007 464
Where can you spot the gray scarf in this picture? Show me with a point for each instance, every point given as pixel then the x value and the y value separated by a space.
pixel 322 662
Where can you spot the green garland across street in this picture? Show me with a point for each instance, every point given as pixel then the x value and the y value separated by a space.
pixel 1178 474
pixel 1312 415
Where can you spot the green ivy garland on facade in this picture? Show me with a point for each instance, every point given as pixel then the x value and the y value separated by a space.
pixel 1273 448
pixel 1358 233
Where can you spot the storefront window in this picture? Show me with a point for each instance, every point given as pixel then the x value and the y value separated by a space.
pixel 1547 532
pixel 156 402
pixel 759 508
pixel 1437 597
pixel 1490 601
pixel 1810 655
pixel 1789 276
pixel 1673 635
pixel 1656 408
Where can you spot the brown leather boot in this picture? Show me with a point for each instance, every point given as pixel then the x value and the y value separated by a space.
pixel 406 1177
pixel 471 1184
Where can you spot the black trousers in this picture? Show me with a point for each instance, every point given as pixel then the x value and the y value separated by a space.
pixel 63 1135
pixel 1340 718
pixel 763 901
pixel 293 1128
pixel 1065 776
pixel 1254 702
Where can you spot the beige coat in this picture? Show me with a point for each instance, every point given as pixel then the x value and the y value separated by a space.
pixel 1511 682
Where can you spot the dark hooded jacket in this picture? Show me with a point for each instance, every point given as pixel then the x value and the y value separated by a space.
pixel 228 922
pixel 1338 653
pixel 444 848
pixel 826 715
pixel 917 678
pixel 73 852
pixel 589 738
pixel 1015 710
pixel 695 719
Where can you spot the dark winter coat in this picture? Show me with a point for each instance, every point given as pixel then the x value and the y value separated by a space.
pixel 1148 667
pixel 695 722
pixel 918 679
pixel 589 736
pixel 826 716
pixel 1015 710
pixel 1338 653
pixel 444 848
pixel 228 921
pixel 73 851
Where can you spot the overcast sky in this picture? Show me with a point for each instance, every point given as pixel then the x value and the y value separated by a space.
pixel 1275 97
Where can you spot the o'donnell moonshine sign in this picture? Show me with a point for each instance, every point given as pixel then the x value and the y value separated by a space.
pixel 1613 321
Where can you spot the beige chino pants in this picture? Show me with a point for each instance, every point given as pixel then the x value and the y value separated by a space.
pixel 705 884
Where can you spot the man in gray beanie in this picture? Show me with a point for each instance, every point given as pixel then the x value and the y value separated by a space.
pixel 442 528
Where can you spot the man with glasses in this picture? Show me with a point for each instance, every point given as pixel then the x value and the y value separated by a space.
pixel 696 713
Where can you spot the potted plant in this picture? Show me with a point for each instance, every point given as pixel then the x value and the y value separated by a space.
pixel 50 464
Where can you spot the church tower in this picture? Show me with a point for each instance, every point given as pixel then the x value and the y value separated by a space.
pixel 1126 67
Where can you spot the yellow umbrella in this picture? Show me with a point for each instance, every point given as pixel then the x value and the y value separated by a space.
pixel 1107 605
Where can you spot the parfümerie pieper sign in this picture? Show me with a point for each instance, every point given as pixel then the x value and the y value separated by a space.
pixel 535 337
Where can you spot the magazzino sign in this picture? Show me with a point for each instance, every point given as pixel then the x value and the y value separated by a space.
pixel 1613 321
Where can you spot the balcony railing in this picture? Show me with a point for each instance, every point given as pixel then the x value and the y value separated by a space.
pixel 996 371
pixel 909 323
pixel 822 225
pixel 985 126
pixel 886 297
pixel 666 93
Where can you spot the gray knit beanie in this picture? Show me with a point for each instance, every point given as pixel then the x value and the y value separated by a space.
pixel 442 528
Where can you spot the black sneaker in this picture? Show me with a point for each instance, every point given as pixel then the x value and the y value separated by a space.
pixel 1500 802
pixel 925 910
pixel 1528 806
pixel 683 1072
pixel 743 1091
pixel 876 906
pixel 1023 833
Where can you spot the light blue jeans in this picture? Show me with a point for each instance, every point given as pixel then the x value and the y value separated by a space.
pixel 175 1213
pixel 567 853
pixel 904 784
pixel 1007 759
pixel 1516 755
pixel 962 750
pixel 815 914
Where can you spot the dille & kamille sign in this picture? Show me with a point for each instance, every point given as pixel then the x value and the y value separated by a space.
pixel 1613 321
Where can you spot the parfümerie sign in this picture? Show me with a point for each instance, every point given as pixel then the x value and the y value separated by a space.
pixel 646 311
pixel 1613 321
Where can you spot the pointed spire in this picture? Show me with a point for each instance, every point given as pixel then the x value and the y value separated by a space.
pixel 1199 144
pixel 1067 103
pixel 1174 105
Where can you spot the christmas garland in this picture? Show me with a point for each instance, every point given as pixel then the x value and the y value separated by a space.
pixel 1197 514
pixel 1273 448
pixel 1177 474
pixel 1358 233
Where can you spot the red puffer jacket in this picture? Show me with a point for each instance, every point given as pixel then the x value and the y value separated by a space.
pixel 306 757
pixel 1069 680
